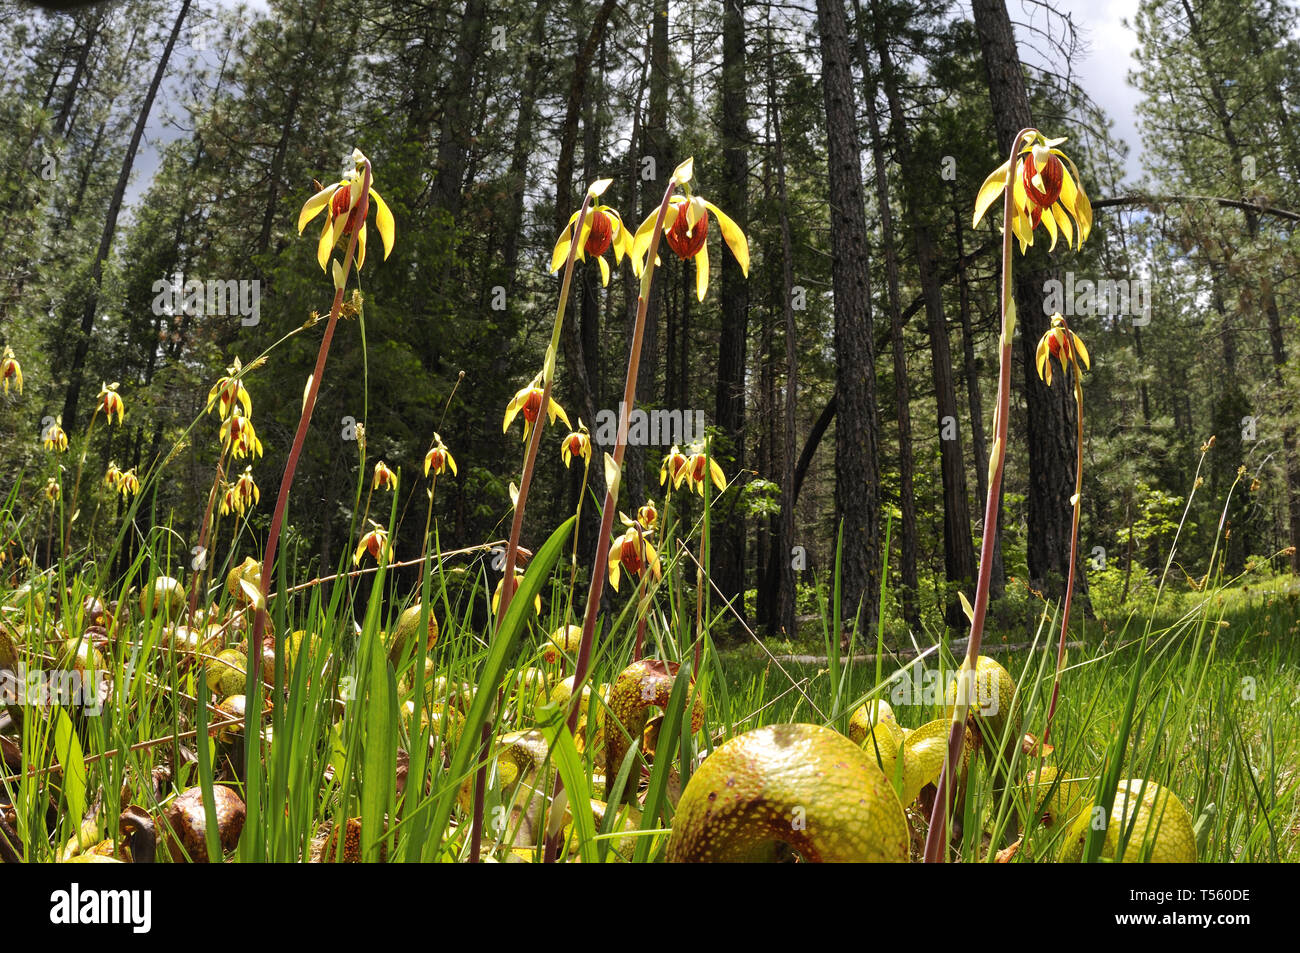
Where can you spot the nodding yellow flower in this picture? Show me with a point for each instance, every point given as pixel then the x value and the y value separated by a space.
pixel 439 459
pixel 632 551
pixel 113 478
pixel 340 202
pixel 242 494
pixel 228 392
pixel 673 468
pixel 529 402
pixel 647 515
pixel 602 229
pixel 385 478
pixel 54 438
pixel 700 468
pixel 109 402
pixel 577 444
pixel 375 543
pixel 1042 191
pixel 129 485
pixel 11 370
pixel 519 578
pixel 53 492
pixel 1063 344
pixel 239 437
pixel 686 228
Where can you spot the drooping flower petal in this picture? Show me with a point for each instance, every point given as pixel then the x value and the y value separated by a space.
pixel 733 236
pixel 385 223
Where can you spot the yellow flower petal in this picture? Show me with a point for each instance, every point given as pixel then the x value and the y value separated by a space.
pixel 561 251
pixel 384 222
pixel 604 270
pixel 702 272
pixel 990 190
pixel 614 566
pixel 1081 351
pixel 325 244
pixel 315 205
pixel 361 246
pixel 733 236
pixel 555 410
pixel 1063 220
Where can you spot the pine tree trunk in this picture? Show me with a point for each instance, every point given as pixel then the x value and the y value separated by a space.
pixel 729 539
pixel 857 484
pixel 1051 427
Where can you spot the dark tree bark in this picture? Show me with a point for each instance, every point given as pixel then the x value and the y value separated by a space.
pixel 902 392
pixel 457 125
pixel 958 546
pixel 729 555
pixel 517 175
pixel 857 485
pixel 571 338
pixel 782 556
pixel 979 443
pixel 82 347
pixel 1051 424
pixel 657 146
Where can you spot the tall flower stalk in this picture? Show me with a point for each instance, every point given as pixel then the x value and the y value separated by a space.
pixel 536 410
pixel 614 462
pixel 1063 344
pixel 1036 189
pixel 346 206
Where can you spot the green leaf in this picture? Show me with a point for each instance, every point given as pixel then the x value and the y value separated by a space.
pixel 67 749
pixel 499 651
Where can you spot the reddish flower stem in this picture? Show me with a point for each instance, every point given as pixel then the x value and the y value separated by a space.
pixel 300 437
pixel 1074 542
pixel 597 586
pixel 517 523
pixel 937 835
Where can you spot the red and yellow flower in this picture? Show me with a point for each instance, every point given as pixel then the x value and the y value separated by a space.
pixel 109 402
pixel 129 485
pixel 228 392
pixel 54 437
pixel 239 437
pixel 439 459
pixel 1043 190
pixel 673 468
pixel 529 403
pixel 647 515
pixel 686 230
pixel 577 444
pixel 241 495
pixel 602 229
pixel 11 370
pixel 113 477
pixel 384 479
pixel 700 468
pixel 52 492
pixel 1063 344
pixel 344 214
pixel 633 552
pixel 375 543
